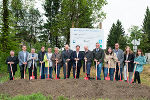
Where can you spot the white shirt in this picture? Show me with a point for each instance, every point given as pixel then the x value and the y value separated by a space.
pixel 77 54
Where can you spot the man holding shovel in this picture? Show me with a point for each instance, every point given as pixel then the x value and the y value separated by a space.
pixel 88 58
pixel 56 59
pixel 32 64
pixel 119 65
pixel 98 55
pixel 12 62
pixel 77 57
pixel 41 63
pixel 22 56
pixel 67 62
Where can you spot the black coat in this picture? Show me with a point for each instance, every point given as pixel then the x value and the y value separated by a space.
pixel 131 63
pixel 66 55
pixel 98 55
pixel 12 59
pixel 41 55
pixel 80 56
pixel 88 55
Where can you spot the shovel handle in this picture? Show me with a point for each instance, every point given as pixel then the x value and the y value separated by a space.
pixel 11 71
pixel 40 70
pixel 24 71
pixel 96 70
pixel 76 69
pixel 66 68
pixel 127 72
pixel 56 70
pixel 134 73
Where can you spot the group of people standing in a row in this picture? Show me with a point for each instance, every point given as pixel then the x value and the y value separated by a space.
pixel 116 62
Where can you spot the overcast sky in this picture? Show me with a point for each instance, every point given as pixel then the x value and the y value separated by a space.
pixel 129 12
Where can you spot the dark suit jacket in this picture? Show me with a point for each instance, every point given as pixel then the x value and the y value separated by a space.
pixel 88 55
pixel 99 55
pixel 131 63
pixel 80 56
pixel 12 59
pixel 41 56
pixel 66 55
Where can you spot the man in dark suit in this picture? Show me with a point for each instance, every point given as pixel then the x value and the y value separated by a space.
pixel 66 58
pixel 12 62
pixel 77 57
pixel 42 63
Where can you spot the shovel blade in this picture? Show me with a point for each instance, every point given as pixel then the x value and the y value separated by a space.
pixel 86 78
pixel 32 77
pixel 107 78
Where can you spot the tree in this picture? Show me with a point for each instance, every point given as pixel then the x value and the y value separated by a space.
pixel 80 14
pixel 7 40
pixel 65 14
pixel 51 10
pixel 117 35
pixel 146 29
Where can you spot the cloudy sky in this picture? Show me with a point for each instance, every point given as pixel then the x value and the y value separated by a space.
pixel 129 12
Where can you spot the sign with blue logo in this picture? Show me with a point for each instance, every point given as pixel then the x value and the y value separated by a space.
pixel 100 41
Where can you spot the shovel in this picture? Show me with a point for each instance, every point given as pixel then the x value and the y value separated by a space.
pixel 120 73
pixel 133 73
pixel 108 78
pixel 40 70
pixel 25 71
pixel 96 70
pixel 32 77
pixel 11 72
pixel 86 78
pixel 76 69
pixel 56 71
pixel 115 74
pixel 127 73
pixel 48 70
pixel 66 69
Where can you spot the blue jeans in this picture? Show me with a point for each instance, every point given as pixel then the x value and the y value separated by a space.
pixel 99 68
pixel 111 73
pixel 50 72
pixel 42 73
pixel 88 67
pixel 58 70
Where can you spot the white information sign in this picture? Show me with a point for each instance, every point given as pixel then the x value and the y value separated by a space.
pixel 86 36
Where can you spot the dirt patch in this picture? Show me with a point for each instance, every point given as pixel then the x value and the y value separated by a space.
pixel 78 89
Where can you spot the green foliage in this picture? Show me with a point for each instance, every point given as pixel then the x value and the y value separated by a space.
pixel 66 14
pixel 34 96
pixel 135 33
pixel 146 29
pixel 61 98
pixel 117 35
